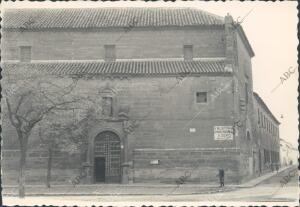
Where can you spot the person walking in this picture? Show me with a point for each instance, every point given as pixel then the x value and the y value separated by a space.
pixel 221 177
pixel 272 166
pixel 277 167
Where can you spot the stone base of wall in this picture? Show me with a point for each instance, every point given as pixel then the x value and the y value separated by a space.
pixel 190 165
pixel 38 176
pixel 64 167
pixel 148 166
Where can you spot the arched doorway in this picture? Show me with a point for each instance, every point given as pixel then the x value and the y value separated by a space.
pixel 107 158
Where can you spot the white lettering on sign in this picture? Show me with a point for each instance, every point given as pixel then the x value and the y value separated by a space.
pixel 223 133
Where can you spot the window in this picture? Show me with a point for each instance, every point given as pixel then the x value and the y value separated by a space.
pixel 188 52
pixel 110 52
pixel 248 136
pixel 271 128
pixel 266 156
pixel 25 53
pixel 266 124
pixel 246 93
pixel 107 106
pixel 258 115
pixel 261 120
pixel 201 97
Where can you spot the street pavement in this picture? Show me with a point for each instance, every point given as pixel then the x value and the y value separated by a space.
pixel 280 189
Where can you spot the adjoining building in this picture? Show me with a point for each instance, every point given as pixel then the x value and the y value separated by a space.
pixel 175 87
pixel 268 144
pixel 288 154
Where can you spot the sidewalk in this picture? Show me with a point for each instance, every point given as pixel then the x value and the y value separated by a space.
pixel 135 188
pixel 264 177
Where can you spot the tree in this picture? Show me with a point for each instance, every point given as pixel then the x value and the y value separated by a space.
pixel 51 141
pixel 65 135
pixel 30 95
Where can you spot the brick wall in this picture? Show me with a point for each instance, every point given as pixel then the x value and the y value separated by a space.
pixel 164 116
pixel 164 109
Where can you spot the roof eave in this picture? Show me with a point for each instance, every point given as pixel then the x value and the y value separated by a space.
pixel 266 107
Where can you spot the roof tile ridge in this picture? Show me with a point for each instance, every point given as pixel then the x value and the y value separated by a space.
pixel 221 18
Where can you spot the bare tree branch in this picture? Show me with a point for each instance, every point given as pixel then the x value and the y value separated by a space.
pixel 10 115
pixel 21 117
pixel 67 92
pixel 29 111
pixel 21 100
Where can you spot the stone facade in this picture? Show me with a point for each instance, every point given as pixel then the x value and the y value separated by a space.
pixel 268 141
pixel 89 45
pixel 163 131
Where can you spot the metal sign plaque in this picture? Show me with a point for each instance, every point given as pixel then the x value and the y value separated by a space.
pixel 223 133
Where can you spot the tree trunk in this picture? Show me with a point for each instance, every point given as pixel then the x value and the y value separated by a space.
pixel 49 166
pixel 23 140
pixel 21 178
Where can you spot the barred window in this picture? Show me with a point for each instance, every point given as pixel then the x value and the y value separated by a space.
pixel 201 97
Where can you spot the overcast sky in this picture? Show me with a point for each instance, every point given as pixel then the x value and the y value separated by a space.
pixel 271 28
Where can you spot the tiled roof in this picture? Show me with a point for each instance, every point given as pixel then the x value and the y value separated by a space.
pixel 123 67
pixel 107 17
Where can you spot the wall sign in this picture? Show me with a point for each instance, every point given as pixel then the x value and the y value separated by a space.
pixel 192 130
pixel 223 133
pixel 154 162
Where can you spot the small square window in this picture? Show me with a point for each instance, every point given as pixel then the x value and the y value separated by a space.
pixel 188 52
pixel 201 97
pixel 110 52
pixel 25 53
